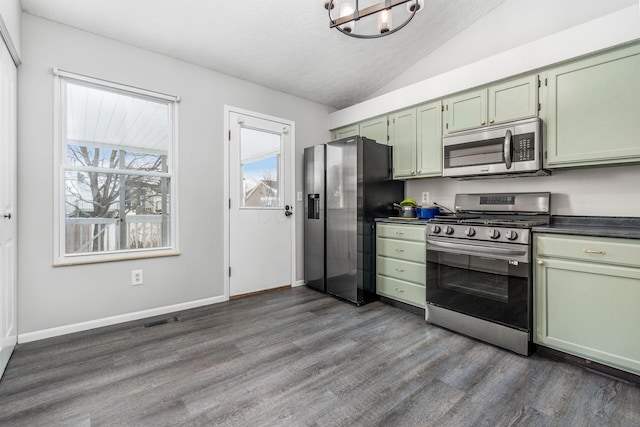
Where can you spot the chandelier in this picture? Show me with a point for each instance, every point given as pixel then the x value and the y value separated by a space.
pixel 350 13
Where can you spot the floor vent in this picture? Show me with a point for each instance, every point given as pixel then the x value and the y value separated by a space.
pixel 161 322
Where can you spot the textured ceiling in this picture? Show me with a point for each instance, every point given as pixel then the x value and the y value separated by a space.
pixel 282 44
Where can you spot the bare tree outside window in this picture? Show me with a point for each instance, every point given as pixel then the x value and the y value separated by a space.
pixel 117 169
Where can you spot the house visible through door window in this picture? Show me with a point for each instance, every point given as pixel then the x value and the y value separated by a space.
pixel 116 182
pixel 260 166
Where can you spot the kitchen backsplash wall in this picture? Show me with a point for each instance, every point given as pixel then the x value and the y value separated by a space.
pixel 603 191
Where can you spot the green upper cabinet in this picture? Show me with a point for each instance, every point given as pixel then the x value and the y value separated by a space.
pixel 416 137
pixel 375 129
pixel 345 132
pixel 466 111
pixel 402 136
pixel 429 140
pixel 504 102
pixel 593 114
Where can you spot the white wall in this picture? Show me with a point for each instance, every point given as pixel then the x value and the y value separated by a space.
pixel 11 20
pixel 65 296
pixel 603 191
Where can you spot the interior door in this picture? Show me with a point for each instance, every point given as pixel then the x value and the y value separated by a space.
pixel 261 223
pixel 8 287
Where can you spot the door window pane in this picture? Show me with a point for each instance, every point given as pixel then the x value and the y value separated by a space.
pixel 260 154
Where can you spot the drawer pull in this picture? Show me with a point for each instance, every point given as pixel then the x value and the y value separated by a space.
pixel 399 290
pixel 400 270
pixel 594 251
pixel 400 233
pixel 540 262
pixel 399 250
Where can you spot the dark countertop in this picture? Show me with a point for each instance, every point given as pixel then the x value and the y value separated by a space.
pixel 399 220
pixel 595 226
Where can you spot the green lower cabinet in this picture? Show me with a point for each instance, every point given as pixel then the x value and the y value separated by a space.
pixel 589 309
pixel 401 263
pixel 406 251
pixel 406 292
pixel 404 270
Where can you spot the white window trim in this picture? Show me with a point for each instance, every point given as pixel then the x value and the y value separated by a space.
pixel 59 256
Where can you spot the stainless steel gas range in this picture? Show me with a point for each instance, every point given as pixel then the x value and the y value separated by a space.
pixel 479 271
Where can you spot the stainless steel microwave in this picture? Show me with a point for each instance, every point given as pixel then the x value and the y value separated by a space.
pixel 510 149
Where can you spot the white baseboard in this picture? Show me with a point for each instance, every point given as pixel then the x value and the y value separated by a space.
pixel 121 318
pixel 298 283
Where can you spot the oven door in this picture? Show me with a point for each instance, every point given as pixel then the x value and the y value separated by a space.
pixel 487 280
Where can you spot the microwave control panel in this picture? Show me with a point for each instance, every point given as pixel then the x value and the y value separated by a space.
pixel 524 147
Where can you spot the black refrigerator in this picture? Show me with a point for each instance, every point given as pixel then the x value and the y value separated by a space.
pixel 348 183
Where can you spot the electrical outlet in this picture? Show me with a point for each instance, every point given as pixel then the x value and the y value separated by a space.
pixel 425 197
pixel 136 277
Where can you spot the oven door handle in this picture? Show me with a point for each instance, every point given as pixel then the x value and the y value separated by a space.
pixel 483 251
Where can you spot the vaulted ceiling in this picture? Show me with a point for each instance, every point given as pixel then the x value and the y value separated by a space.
pixel 286 45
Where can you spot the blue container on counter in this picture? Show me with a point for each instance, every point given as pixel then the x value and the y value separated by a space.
pixel 427 213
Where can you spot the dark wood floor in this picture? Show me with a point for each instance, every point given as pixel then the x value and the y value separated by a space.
pixel 296 357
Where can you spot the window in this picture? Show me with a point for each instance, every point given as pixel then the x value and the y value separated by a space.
pixel 115 184
pixel 260 168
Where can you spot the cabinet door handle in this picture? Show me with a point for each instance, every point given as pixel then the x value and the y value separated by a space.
pixel 399 290
pixel 400 270
pixel 540 262
pixel 491 121
pixel 483 123
pixel 594 251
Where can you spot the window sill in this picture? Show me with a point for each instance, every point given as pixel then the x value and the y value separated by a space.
pixel 113 257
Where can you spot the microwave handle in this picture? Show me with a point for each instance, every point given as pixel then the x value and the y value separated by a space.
pixel 507 149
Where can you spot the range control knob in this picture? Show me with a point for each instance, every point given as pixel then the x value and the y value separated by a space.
pixel 511 235
pixel 494 234
pixel 448 230
pixel 435 229
pixel 470 232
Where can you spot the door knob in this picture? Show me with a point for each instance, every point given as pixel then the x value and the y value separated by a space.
pixel 287 211
pixel 8 216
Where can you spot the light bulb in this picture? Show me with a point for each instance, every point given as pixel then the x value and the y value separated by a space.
pixel 384 21
pixel 346 10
